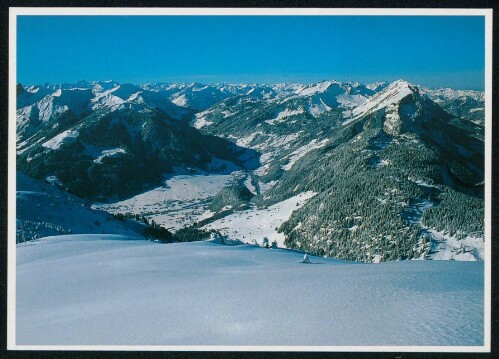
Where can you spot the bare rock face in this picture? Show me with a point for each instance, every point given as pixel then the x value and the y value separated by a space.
pixel 392 124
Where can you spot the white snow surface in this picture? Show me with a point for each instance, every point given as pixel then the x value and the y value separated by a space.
pixel 447 247
pixel 64 137
pixel 201 120
pixel 107 99
pixel 439 95
pixel 377 86
pixel 249 185
pixel 317 108
pixel 110 290
pixel 245 141
pixel 109 153
pixel 391 95
pixel 302 151
pixel 48 101
pixel 281 116
pixel 180 201
pixel 315 88
pixel 350 101
pixel 180 100
pixel 43 209
pixel 252 225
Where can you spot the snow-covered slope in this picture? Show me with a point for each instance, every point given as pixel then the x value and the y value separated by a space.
pixel 253 225
pixel 92 290
pixel 445 94
pixel 43 103
pixel 122 152
pixel 179 202
pixel 324 96
pixel 292 139
pixel 198 96
pixel 43 210
pixel 391 95
pixel 466 104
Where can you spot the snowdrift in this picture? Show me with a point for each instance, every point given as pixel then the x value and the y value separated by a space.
pixel 107 290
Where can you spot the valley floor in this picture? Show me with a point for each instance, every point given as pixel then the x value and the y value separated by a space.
pixel 106 290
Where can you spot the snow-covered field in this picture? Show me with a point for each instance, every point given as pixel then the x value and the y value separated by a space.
pixel 181 201
pixel 252 225
pixel 106 290
pixel 447 247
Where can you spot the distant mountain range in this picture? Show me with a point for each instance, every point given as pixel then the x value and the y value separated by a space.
pixel 395 167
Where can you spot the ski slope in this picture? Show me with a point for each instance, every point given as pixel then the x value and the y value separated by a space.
pixel 110 290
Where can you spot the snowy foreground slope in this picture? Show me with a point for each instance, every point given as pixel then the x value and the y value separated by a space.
pixel 106 290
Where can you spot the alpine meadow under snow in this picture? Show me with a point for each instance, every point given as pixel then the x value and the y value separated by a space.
pixel 380 185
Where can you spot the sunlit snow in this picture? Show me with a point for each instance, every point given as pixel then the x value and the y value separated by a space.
pixel 180 201
pixel 109 153
pixel 201 120
pixel 281 116
pixel 391 95
pixel 109 290
pixel 302 151
pixel 64 137
pixel 251 226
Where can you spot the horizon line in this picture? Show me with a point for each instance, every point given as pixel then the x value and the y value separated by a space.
pixel 249 83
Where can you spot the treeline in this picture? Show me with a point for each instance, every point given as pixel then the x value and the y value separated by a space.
pixel 29 230
pixel 155 231
pixel 152 144
pixel 357 213
pixel 458 214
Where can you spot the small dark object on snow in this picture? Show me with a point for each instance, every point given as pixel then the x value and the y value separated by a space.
pixel 305 259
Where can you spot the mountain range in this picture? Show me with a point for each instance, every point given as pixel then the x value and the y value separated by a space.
pixel 394 170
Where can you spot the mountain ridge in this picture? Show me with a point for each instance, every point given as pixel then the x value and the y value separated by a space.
pixel 393 147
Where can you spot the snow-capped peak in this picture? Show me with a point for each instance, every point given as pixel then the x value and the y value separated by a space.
pixel 391 95
pixel 377 86
pixel 33 89
pixel 441 94
pixel 315 88
pixel 57 93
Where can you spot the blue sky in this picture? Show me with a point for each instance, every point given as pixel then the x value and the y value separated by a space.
pixel 435 51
